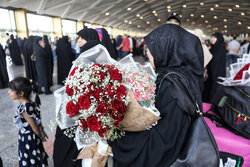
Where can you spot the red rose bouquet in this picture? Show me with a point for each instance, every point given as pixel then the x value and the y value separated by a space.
pixel 97 99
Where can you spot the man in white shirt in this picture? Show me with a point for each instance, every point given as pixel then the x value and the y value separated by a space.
pixel 233 48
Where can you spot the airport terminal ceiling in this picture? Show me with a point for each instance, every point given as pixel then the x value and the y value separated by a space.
pixel 227 16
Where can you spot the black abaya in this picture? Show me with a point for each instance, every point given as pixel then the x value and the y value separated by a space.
pixel 50 59
pixel 216 68
pixel 4 78
pixel 15 52
pixel 65 151
pixel 42 65
pixel 174 50
pixel 30 66
pixel 65 57
pixel 106 41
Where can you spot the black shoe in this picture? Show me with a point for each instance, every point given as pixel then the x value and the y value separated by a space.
pixel 48 92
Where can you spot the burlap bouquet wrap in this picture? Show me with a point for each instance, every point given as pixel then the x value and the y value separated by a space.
pixel 137 118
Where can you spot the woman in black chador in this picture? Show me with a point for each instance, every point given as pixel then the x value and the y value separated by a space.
pixel 4 78
pixel 65 57
pixel 178 53
pixel 64 156
pixel 50 59
pixel 15 52
pixel 29 59
pixel 216 67
pixel 42 64
pixel 106 41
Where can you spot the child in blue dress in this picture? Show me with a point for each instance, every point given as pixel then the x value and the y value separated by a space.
pixel 28 120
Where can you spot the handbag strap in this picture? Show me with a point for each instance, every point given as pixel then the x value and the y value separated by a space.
pixel 198 111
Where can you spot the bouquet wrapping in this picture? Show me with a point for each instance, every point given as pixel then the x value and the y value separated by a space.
pixel 103 98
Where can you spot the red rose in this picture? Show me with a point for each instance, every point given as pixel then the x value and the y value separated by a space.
pixel 110 90
pixel 109 67
pixel 91 88
pixel 96 65
pixel 84 102
pixel 120 91
pixel 93 123
pixel 116 75
pixel 102 76
pixel 97 94
pixel 82 124
pixel 73 71
pixel 102 108
pixel 118 105
pixel 72 109
pixel 102 131
pixel 69 91
pixel 117 117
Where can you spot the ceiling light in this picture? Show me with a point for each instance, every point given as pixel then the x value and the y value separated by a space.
pixel 248 27
pixel 206 21
pixel 168 7
pixel 216 5
pixel 230 10
pixel 154 11
pixel 184 6
pixel 202 16
pixel 187 19
pixel 215 17
pixel 193 22
pixel 129 8
pixel 130 22
pixel 237 6
pixel 209 25
pixel 225 26
pixel 180 15
pixel 148 22
pixel 243 14
pixel 126 21
pixel 225 30
pixel 138 26
pixel 225 20
pixel 141 17
pixel 146 0
pixel 201 3
pixel 159 20
pixel 212 9
pixel 138 15
pixel 239 23
pixel 169 10
pixel 192 15
pixel 107 13
pixel 156 14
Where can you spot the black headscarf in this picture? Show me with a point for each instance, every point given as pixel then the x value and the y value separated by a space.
pixel 88 34
pixel 220 43
pixel 176 50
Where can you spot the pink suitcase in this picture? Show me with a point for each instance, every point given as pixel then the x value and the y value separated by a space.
pixel 228 141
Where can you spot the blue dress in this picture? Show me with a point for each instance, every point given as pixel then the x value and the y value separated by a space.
pixel 30 148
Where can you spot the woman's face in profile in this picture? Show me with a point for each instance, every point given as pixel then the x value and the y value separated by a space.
pixel 213 40
pixel 81 41
pixel 151 59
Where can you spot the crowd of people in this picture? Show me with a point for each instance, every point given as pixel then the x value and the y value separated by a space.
pixel 170 49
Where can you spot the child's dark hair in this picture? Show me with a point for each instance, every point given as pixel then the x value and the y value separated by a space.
pixel 21 84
